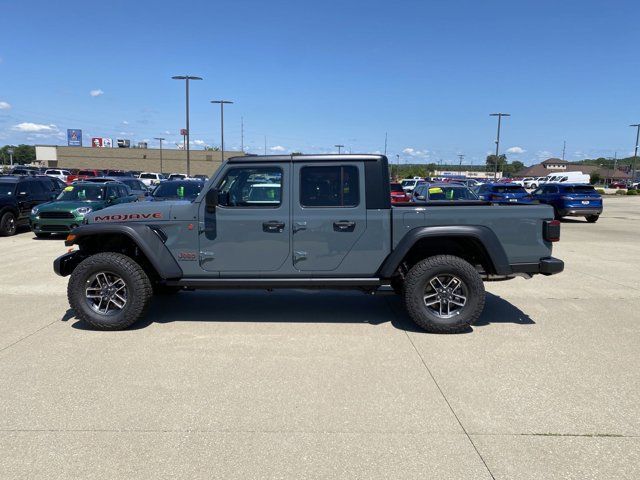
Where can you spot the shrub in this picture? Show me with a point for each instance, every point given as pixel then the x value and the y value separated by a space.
pixel 600 191
pixel 621 192
pixel 632 192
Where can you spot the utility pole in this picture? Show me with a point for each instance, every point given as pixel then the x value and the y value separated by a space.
pixel 339 147
pixel 160 139
pixel 635 152
pixel 186 78
pixel 397 167
pixel 10 152
pixel 265 144
pixel 461 156
pixel 564 148
pixel 242 134
pixel 385 144
pixel 499 115
pixel 222 104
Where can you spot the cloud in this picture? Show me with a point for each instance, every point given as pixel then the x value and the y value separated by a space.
pixel 516 150
pixel 167 132
pixel 35 127
pixel 199 143
pixel 124 122
pixel 278 148
pixel 96 93
pixel 5 105
pixel 412 152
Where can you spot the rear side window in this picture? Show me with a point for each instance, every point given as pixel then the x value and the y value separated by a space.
pixel 37 188
pixel 508 189
pixel 580 189
pixel 329 186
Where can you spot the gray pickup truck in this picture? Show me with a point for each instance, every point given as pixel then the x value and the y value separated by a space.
pixel 305 221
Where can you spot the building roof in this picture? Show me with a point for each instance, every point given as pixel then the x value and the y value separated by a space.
pixel 554 161
pixel 540 171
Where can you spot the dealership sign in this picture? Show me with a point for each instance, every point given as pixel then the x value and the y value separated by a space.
pixel 100 142
pixel 74 137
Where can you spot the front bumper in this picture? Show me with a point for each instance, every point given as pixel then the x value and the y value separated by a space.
pixel 54 225
pixel 579 212
pixel 546 266
pixel 65 264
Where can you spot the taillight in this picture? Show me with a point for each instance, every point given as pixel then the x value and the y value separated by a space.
pixel 551 230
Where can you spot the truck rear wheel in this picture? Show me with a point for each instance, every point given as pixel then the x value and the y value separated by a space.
pixel 109 291
pixel 444 294
pixel 592 218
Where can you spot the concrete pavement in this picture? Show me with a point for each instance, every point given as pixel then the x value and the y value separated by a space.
pixel 330 384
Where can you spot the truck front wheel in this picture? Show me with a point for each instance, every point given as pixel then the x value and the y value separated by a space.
pixel 109 291
pixel 444 294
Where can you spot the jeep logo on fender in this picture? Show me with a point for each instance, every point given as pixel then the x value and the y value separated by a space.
pixel 123 217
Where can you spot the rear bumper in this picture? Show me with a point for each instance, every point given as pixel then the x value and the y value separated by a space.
pixel 546 266
pixel 579 212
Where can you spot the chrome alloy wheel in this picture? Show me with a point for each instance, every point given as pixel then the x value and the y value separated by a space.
pixel 106 293
pixel 445 295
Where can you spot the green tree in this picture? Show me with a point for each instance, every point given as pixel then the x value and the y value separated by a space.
pixel 501 160
pixel 21 154
pixel 595 178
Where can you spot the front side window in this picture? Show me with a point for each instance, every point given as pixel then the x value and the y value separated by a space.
pixel 251 187
pixel 329 186
pixel 81 192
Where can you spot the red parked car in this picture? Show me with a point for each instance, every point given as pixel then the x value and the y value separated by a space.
pixel 398 195
pixel 83 175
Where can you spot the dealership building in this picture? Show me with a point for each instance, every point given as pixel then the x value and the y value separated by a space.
pixel 203 162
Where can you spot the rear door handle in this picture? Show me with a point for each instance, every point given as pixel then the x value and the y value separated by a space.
pixel 273 227
pixel 344 226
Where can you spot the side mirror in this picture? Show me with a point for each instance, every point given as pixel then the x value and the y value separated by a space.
pixel 421 197
pixel 211 200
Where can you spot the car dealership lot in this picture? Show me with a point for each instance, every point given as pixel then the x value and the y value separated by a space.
pixel 330 384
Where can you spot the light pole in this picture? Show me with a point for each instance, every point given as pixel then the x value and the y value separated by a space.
pixel 499 115
pixel 160 139
pixel 10 152
pixel 339 147
pixel 397 166
pixel 186 78
pixel 635 152
pixel 461 156
pixel 221 102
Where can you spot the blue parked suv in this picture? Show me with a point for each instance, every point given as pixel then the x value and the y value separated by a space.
pixel 503 193
pixel 571 200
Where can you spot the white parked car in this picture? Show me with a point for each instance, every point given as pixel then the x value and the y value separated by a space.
pixel 537 181
pixel 569 177
pixel 151 178
pixel 408 184
pixel 59 174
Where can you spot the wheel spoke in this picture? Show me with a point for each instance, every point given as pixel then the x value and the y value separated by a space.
pixel 428 304
pixel 445 295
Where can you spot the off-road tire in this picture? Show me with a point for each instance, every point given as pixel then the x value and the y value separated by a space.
pixel 8 225
pixel 415 283
pixel 592 218
pixel 137 282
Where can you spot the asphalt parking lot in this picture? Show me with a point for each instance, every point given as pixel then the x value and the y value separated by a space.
pixel 330 385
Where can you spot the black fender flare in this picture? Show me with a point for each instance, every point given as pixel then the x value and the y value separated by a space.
pixel 144 236
pixel 484 235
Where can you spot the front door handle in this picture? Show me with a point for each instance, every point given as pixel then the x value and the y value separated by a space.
pixel 273 227
pixel 344 226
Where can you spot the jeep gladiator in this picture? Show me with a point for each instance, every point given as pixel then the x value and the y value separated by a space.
pixel 305 221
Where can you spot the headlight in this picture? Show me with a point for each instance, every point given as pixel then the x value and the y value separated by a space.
pixel 83 210
pixel 34 211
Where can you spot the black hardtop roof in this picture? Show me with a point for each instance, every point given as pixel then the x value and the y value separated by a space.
pixel 307 158
pixel 16 178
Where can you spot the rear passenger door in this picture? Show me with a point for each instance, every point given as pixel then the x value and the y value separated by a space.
pixel 328 213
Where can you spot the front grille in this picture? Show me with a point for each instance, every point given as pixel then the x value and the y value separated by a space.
pixel 56 215
pixel 54 228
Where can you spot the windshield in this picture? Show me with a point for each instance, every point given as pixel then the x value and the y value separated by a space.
pixel 179 190
pixel 152 176
pixel 450 193
pixel 7 189
pixel 508 189
pixel 81 193
pixel 408 183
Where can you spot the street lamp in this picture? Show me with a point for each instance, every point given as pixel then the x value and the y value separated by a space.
pixel 160 139
pixel 339 147
pixel 221 102
pixel 186 78
pixel 499 115
pixel 635 152
pixel 10 152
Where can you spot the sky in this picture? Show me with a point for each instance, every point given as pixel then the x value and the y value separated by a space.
pixel 307 75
